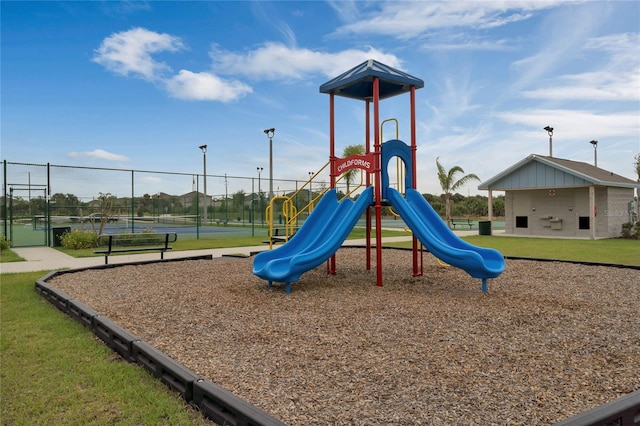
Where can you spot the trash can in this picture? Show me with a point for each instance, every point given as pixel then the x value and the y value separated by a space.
pixel 57 233
pixel 484 227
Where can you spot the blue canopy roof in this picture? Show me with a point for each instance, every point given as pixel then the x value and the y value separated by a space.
pixel 357 83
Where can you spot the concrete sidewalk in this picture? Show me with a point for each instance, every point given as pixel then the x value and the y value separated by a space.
pixel 49 259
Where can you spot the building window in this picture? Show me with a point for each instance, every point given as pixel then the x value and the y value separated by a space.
pixel 522 221
pixel 583 222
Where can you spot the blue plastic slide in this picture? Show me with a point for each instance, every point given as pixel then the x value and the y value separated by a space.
pixel 317 240
pixel 436 236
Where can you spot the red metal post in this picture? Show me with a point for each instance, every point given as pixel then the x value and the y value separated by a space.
pixel 378 178
pixel 331 263
pixel 367 136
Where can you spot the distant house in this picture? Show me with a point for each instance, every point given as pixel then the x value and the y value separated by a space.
pixel 190 199
pixel 548 196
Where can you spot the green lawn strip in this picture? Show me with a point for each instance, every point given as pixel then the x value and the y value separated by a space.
pixel 612 250
pixel 7 256
pixel 55 371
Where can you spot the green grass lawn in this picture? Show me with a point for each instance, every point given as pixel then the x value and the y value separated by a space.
pixel 9 256
pixel 54 371
pixel 613 250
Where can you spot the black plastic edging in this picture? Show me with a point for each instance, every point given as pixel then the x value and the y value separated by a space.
pixel 576 262
pixel 534 259
pixel 623 411
pixel 82 313
pixel 57 298
pixel 214 402
pixel 223 407
pixel 177 377
pixel 116 337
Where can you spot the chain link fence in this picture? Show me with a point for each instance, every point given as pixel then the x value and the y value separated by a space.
pixel 43 200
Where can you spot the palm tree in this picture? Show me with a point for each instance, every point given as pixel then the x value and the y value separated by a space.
pixel 449 184
pixel 352 150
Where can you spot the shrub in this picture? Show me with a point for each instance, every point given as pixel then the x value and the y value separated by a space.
pixel 4 243
pixel 146 236
pixel 78 239
pixel 631 230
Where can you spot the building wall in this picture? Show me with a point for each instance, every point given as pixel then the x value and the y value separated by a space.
pixel 616 211
pixel 564 212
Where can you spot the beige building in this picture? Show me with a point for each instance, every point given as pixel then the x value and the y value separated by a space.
pixel 547 196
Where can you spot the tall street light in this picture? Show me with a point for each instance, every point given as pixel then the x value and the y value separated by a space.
pixel 226 199
pixel 549 130
pixel 270 132
pixel 260 169
pixel 595 152
pixel 204 203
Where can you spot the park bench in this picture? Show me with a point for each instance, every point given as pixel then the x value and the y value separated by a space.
pixel 461 222
pixel 280 236
pixel 124 243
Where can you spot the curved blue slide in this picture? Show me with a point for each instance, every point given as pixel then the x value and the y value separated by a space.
pixel 435 235
pixel 320 236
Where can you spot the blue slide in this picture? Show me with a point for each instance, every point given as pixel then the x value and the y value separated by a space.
pixel 317 240
pixel 436 236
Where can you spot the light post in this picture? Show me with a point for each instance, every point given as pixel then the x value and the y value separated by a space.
pixel 549 130
pixel 204 201
pixel 270 132
pixel 260 169
pixel 226 200
pixel 595 152
pixel 310 189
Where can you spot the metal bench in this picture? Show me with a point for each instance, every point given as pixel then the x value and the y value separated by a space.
pixel 279 236
pixel 124 243
pixel 461 222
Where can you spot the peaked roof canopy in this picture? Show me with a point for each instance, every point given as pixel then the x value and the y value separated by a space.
pixel 540 171
pixel 357 83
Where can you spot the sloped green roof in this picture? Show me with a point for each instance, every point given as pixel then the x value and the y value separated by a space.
pixel 357 83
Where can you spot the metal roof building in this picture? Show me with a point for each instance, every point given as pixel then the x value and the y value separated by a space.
pixel 548 196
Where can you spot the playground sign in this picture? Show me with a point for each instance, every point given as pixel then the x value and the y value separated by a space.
pixel 364 162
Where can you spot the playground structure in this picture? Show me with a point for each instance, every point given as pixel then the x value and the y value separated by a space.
pixel 331 220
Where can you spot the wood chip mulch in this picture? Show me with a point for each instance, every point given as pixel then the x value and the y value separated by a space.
pixel 549 339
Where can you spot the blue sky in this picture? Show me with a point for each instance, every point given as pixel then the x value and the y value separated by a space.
pixel 140 85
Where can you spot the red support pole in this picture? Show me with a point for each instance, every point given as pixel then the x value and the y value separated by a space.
pixel 331 263
pixel 367 145
pixel 378 178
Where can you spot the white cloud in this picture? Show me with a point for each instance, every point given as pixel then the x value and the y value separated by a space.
pixel 205 87
pixel 576 124
pixel 129 52
pixel 597 86
pixel 406 20
pixel 151 179
pixel 274 61
pixel 470 43
pixel 618 80
pixel 98 154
